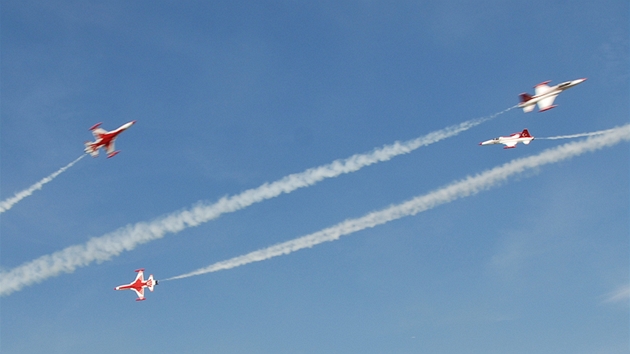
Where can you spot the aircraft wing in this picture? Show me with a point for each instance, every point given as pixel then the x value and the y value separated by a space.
pixel 110 148
pixel 542 88
pixel 510 144
pixel 546 103
pixel 98 132
pixel 140 276
pixel 140 293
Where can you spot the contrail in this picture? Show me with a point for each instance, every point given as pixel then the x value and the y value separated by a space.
pixel 575 135
pixel 464 188
pixel 99 249
pixel 8 203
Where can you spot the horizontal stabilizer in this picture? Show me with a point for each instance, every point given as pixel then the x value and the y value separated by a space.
pixel 529 108
pixel 151 282
pixel 89 149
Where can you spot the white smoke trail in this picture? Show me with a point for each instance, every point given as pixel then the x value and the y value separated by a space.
pixel 466 187
pixel 575 135
pixel 8 203
pixel 105 247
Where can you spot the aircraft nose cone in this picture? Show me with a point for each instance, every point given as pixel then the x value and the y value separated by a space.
pixel 128 125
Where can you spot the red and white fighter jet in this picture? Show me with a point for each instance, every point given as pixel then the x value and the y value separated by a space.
pixel 105 139
pixel 511 141
pixel 139 284
pixel 545 95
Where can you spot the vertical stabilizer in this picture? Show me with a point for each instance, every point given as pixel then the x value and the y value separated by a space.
pixel 525 98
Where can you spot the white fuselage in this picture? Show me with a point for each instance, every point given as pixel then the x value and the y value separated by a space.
pixel 508 140
pixel 511 141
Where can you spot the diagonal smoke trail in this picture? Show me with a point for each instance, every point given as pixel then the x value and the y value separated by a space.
pixel 8 203
pixel 99 249
pixel 575 135
pixel 464 188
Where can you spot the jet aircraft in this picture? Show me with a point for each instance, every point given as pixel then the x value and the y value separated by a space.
pixel 139 284
pixel 511 141
pixel 105 139
pixel 544 95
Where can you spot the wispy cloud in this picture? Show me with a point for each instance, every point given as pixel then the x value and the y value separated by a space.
pixel 10 202
pixel 466 187
pixel 99 249
pixel 619 295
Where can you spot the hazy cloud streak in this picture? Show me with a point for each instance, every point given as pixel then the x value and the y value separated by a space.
pixel 466 187
pixel 8 203
pixel 620 295
pixel 99 249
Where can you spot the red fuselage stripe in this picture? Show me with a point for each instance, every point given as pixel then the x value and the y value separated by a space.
pixel 138 285
pixel 105 139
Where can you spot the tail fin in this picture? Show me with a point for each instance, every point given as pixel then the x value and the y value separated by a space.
pixel 151 282
pixel 527 107
pixel 525 134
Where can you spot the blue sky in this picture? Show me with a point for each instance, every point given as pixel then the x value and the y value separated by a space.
pixel 230 95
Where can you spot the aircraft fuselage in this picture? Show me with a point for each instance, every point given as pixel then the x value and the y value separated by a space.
pixel 545 95
pixel 105 139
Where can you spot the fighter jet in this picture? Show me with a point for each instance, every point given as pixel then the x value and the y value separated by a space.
pixel 511 141
pixel 545 95
pixel 105 139
pixel 139 284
